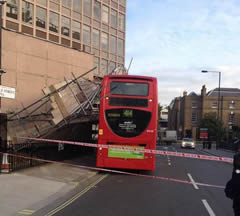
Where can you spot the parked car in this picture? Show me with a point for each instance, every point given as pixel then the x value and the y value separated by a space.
pixel 188 143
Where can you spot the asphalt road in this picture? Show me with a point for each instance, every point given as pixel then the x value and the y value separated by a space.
pixel 118 195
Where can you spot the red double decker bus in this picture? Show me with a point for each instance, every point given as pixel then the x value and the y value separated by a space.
pixel 128 117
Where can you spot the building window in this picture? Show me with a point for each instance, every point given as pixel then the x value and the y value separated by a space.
pixel 67 3
pixel 121 22
pixel 66 11
pixel 232 105
pixel 104 66
pixel 104 42
pixel 86 35
pixel 123 2
pixel 53 22
pixel 12 9
pixel 42 2
pixel 120 47
pixel 194 117
pixel 114 18
pixel 96 64
pixel 214 105
pixel 54 6
pixel 96 38
pixel 77 5
pixel 76 15
pixel 65 26
pixel 27 12
pixel 105 16
pixel 230 118
pixel 114 4
pixel 76 28
pixel 112 66
pixel 113 44
pixel 97 10
pixel 194 105
pixel 41 17
pixel 87 8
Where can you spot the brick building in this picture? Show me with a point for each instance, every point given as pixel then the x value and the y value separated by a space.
pixel 43 41
pixel 186 112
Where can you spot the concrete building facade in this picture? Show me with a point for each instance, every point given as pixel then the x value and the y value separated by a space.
pixel 43 41
pixel 186 112
pixel 31 65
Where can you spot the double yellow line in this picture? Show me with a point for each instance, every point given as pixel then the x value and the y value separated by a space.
pixel 65 204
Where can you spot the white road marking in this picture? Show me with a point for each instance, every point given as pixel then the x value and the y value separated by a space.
pixel 207 206
pixel 169 160
pixel 26 212
pixel 193 182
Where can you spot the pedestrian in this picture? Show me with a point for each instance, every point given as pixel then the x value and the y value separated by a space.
pixel 204 144
pixel 232 189
pixel 236 144
pixel 209 144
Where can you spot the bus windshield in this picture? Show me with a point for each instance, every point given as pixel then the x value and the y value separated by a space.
pixel 129 88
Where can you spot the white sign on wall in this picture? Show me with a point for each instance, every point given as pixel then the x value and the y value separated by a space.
pixel 7 92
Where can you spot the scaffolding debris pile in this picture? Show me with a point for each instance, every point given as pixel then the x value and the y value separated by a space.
pixel 62 103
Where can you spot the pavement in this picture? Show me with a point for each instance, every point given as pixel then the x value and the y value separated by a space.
pixel 218 152
pixel 28 191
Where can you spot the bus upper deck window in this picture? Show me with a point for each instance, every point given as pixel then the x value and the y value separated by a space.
pixel 129 88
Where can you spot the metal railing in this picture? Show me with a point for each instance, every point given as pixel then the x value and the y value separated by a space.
pixel 18 156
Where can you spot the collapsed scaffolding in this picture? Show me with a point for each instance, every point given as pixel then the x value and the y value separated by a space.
pixel 74 100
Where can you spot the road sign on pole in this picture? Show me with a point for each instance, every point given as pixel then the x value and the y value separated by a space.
pixel 203 133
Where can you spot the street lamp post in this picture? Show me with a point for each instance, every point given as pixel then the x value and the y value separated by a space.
pixel 218 110
pixel 1 70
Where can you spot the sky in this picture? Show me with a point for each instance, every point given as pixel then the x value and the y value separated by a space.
pixel 174 40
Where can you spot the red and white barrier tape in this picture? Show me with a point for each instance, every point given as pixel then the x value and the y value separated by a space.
pixel 125 148
pixel 117 171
